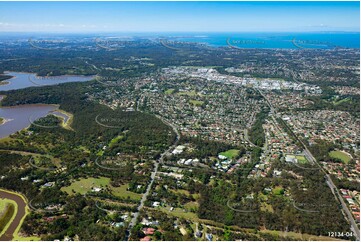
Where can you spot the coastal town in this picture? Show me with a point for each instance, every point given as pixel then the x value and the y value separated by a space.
pixel 158 139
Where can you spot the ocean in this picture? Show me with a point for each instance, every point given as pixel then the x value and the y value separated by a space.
pixel 325 40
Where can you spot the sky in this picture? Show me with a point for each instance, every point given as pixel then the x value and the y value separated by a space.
pixel 92 17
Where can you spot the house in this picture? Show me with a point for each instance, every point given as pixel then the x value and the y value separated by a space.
pixel 156 204
pixel 49 184
pixel 209 237
pixel 222 157
pixel 96 189
pixel 148 231
pixel 276 173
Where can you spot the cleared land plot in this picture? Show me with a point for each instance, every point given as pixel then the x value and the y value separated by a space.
pixel 340 155
pixel 115 140
pixel 230 154
pixel 278 191
pixel 169 91
pixel 266 207
pixel 122 192
pixel 87 184
pixel 196 102
pixel 189 93
pixel 178 212
pixel 301 159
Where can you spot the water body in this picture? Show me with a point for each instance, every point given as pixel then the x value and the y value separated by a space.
pixel 20 117
pixel 325 40
pixel 23 80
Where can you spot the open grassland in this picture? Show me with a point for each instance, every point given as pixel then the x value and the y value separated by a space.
pixel 122 192
pixel 301 159
pixel 188 93
pixel 196 102
pixel 178 212
pixel 230 154
pixel 85 185
pixel 115 140
pixel 340 155
pixel 278 191
pixel 169 91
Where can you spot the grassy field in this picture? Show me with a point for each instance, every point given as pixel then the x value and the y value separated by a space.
pixel 122 192
pixel 85 185
pixel 338 102
pixel 181 191
pixel 169 91
pixel 266 207
pixel 230 154
pixel 178 212
pixel 340 155
pixel 278 191
pixel 191 206
pixel 115 140
pixel 301 159
pixel 190 93
pixel 187 193
pixel 196 102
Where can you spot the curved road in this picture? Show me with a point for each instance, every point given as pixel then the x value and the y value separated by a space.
pixel 21 213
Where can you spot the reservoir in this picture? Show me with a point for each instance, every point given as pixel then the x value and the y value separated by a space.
pixel 19 117
pixel 23 80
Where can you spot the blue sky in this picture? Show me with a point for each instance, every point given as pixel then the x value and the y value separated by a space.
pixel 93 17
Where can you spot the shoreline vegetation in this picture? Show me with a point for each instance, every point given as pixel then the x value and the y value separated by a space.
pixel 4 79
pixel 4 121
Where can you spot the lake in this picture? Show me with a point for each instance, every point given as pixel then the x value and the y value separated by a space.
pixel 20 117
pixel 23 80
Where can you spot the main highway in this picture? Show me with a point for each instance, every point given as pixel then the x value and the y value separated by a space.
pixel 329 181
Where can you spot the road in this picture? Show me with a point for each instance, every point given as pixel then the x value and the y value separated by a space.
pixel 21 213
pixel 152 177
pixel 245 131
pixel 144 197
pixel 329 181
